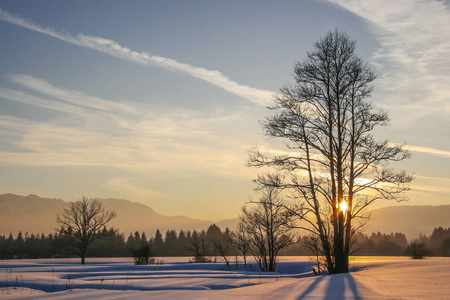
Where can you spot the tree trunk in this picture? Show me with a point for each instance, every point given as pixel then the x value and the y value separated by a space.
pixel 83 256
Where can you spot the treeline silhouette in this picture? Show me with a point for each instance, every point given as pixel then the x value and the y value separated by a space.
pixel 440 242
pixel 380 244
pixel 182 243
pixel 53 246
pixel 375 244
pixel 117 245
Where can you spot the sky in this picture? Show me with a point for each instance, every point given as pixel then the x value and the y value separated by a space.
pixel 158 102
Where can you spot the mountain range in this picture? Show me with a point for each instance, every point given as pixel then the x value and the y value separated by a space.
pixel 412 220
pixel 34 214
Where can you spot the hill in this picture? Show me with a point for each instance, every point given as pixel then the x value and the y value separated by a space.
pixel 29 214
pixel 34 214
pixel 408 219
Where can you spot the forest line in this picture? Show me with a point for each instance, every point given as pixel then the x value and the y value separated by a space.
pixel 181 243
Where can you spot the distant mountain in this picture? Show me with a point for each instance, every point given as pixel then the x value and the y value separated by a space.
pixel 34 214
pixel 410 220
pixel 228 223
pixel 134 216
pixel 30 213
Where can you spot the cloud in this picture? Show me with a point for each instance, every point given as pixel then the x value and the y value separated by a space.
pixel 124 187
pixel 427 150
pixel 426 188
pixel 412 57
pixel 433 179
pixel 431 184
pixel 22 97
pixel 101 132
pixel 113 48
pixel 76 98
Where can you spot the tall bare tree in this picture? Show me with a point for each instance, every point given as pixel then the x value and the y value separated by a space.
pixel 83 222
pixel 336 168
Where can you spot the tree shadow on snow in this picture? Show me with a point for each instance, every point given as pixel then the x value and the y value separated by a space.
pixel 312 287
pixel 338 284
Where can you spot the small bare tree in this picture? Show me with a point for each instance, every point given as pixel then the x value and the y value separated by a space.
pixel 82 223
pixel 199 246
pixel 312 243
pixel 418 249
pixel 267 227
pixel 239 242
pixel 221 241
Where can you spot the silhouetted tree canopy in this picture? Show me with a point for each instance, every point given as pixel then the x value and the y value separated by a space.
pixel 53 245
pixel 82 223
pixel 333 166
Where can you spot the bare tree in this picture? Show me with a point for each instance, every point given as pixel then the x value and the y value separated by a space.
pixel 221 241
pixel 418 249
pixel 267 227
pixel 335 167
pixel 240 242
pixel 199 245
pixel 140 248
pixel 312 243
pixel 83 222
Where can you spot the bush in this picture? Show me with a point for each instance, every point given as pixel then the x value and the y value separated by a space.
pixel 141 254
pixel 200 259
pixel 418 250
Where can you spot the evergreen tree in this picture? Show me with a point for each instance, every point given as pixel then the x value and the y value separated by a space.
pixel 158 244
pixel 170 243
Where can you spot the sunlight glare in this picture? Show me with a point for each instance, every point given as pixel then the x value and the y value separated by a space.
pixel 343 206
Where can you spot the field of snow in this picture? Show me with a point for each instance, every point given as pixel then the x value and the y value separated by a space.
pixel 119 278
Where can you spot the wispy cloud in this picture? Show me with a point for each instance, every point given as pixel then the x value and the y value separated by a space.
pixel 101 132
pixel 76 98
pixel 433 179
pixel 426 188
pixel 427 150
pixel 179 145
pixel 125 187
pixel 412 58
pixel 113 48
pixel 19 96
pixel 431 184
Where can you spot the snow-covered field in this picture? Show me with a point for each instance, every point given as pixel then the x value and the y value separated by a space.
pixel 119 278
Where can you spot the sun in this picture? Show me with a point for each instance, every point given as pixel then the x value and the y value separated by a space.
pixel 343 206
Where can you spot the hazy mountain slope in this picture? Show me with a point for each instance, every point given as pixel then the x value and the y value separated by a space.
pixel 37 215
pixel 410 220
pixel 230 223
pixel 29 214
pixel 132 216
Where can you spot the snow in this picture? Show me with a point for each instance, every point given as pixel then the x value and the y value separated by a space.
pixel 119 278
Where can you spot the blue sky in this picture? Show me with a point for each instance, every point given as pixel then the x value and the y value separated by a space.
pixel 159 101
